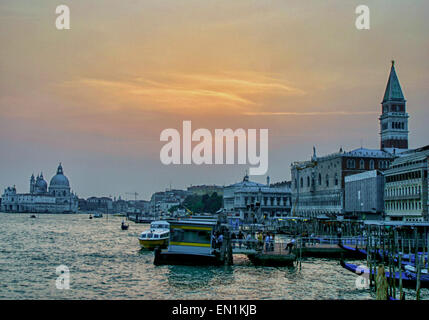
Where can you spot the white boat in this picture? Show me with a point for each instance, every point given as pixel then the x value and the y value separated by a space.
pixel 157 236
pixel 98 215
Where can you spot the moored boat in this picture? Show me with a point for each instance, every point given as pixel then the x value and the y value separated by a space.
pixel 409 279
pixel 157 236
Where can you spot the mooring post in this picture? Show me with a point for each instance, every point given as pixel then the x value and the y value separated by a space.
pixel 382 285
pixel 418 278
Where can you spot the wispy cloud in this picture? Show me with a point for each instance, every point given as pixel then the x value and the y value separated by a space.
pixel 177 92
pixel 315 113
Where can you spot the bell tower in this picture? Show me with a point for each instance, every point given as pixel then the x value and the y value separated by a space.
pixel 394 118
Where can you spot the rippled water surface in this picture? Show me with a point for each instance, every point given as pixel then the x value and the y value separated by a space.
pixel 106 262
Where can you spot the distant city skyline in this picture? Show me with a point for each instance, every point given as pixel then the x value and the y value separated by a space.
pixel 96 97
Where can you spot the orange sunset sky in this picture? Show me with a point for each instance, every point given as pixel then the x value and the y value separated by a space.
pixel 96 97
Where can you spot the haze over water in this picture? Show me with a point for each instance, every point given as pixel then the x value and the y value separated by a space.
pixel 107 263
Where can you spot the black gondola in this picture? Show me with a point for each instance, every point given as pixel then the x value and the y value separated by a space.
pixel 124 226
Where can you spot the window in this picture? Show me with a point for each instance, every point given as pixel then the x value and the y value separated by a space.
pixel 320 179
pixel 327 180
pixel 371 164
pixel 308 181
pixel 336 179
pixel 301 183
pixel 362 164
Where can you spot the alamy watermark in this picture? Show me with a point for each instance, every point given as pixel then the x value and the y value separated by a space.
pixel 178 150
pixel 63 280
pixel 362 281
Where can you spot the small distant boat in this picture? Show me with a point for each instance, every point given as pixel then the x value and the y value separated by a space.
pixel 98 215
pixel 90 216
pixel 33 216
pixel 124 226
pixel 157 236
pixel 119 214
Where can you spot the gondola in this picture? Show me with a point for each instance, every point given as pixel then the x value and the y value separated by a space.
pixel 124 226
pixel 33 216
pixel 409 279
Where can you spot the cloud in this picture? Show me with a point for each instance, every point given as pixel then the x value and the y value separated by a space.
pixel 176 92
pixel 315 113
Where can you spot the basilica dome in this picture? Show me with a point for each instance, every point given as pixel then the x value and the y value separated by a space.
pixel 59 180
pixel 41 185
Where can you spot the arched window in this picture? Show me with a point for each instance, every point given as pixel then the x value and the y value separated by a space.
pixel 336 179
pixel 308 181
pixel 301 182
pixel 371 164
pixel 327 180
pixel 362 164
pixel 320 179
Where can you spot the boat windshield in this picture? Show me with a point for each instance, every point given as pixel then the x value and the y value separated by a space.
pixel 159 226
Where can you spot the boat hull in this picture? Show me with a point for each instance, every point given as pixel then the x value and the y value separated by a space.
pixel 152 244
pixel 171 258
pixel 409 279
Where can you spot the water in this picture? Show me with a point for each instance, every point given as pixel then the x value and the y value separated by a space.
pixel 106 262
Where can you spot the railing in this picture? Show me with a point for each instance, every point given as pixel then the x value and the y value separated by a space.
pixel 271 247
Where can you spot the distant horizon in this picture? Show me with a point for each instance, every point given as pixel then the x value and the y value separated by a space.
pixel 97 97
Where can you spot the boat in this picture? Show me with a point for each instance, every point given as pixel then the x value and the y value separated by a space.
pixel 119 214
pixel 361 253
pixel 157 236
pixel 98 215
pixel 409 279
pixel 90 217
pixel 124 226
pixel 33 216
pixel 190 244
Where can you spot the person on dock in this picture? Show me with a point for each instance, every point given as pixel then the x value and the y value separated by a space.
pixel 260 240
pixel 220 240
pixel 267 242
pixel 248 241
pixel 233 239
pixel 240 239
pixel 214 240
pixel 290 245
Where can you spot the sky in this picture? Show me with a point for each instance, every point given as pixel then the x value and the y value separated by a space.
pixel 96 97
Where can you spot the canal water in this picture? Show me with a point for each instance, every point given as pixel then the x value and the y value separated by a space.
pixel 106 262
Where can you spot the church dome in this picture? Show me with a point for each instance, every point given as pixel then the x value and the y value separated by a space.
pixel 41 185
pixel 59 180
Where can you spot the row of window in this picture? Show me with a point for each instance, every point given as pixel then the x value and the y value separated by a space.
pixel 404 191
pixel 398 125
pixel 301 182
pixel 405 176
pixel 403 205
pixel 382 164
pixel 329 203
pixel 265 200
pixel 394 108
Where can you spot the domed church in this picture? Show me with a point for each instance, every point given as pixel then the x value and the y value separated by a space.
pixel 58 198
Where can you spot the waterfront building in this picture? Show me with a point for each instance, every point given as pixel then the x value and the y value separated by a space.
pixel 57 198
pixel 243 198
pixel 364 195
pixel 104 204
pixel 406 187
pixel 318 184
pixel 162 201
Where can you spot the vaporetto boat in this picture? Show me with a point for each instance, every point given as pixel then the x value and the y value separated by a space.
pixel 157 236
